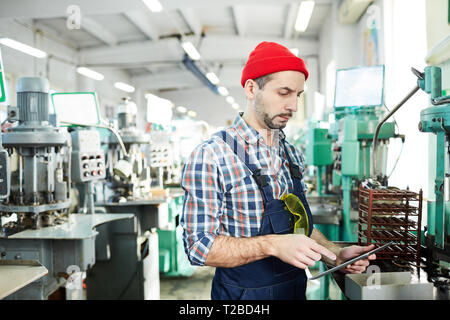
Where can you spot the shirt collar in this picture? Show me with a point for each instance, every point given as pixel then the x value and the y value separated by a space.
pixel 249 134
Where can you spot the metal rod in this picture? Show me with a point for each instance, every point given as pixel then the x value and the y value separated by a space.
pixel 90 197
pixel 20 173
pixel 377 131
pixel 114 132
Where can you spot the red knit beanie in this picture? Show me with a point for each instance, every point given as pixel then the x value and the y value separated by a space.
pixel 269 57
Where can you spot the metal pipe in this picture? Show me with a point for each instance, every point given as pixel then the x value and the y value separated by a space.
pixel 377 131
pixel 20 173
pixel 320 171
pixel 90 197
pixel 116 134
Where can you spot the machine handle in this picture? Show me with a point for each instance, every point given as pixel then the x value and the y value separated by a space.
pixel 398 106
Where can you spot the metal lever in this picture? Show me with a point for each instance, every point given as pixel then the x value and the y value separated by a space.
pixel 419 75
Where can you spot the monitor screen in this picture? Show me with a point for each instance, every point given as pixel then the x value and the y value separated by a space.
pixel 76 107
pixel 159 110
pixel 359 87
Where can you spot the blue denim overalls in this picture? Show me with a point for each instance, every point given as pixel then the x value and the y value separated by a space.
pixel 269 278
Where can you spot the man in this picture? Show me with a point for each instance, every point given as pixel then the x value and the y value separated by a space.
pixel 232 216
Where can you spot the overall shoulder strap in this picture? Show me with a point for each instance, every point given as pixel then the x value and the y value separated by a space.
pixel 261 180
pixel 294 169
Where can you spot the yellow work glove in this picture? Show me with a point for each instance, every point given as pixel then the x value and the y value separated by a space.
pixel 295 206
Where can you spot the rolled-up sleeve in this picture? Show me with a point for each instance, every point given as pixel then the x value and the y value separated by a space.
pixel 202 203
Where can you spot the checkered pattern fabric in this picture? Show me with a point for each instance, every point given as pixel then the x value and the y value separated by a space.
pixel 221 196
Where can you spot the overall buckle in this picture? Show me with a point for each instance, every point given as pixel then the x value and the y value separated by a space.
pixel 261 180
pixel 295 172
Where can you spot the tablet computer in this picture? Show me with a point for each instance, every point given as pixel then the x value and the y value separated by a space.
pixel 346 263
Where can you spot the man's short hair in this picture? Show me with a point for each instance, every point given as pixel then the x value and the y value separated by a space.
pixel 261 81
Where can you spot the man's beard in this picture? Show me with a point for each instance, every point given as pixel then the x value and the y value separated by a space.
pixel 266 118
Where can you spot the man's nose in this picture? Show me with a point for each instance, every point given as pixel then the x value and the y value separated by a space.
pixel 292 105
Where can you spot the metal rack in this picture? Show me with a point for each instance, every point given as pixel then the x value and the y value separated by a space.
pixel 391 215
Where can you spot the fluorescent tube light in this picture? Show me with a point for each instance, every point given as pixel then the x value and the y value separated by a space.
pixel 90 73
pixel 23 48
pixel 181 109
pixel 223 91
pixel 189 48
pixel 230 99
pixel 192 113
pixel 212 77
pixel 124 87
pixel 153 5
pixel 304 15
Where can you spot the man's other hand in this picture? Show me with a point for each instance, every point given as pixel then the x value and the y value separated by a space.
pixel 350 252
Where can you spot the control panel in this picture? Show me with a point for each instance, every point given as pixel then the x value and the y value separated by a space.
pixel 160 152
pixel 88 159
pixel 4 174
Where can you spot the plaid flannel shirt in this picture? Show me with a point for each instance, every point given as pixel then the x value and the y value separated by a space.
pixel 221 197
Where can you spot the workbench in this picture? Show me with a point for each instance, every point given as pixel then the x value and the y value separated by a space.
pixel 16 274
pixel 417 275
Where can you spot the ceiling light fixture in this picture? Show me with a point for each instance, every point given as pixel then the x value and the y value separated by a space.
pixel 223 91
pixel 192 113
pixel 153 5
pixel 23 48
pixel 230 99
pixel 235 106
pixel 212 77
pixel 181 109
pixel 190 49
pixel 124 87
pixel 304 15
pixel 90 73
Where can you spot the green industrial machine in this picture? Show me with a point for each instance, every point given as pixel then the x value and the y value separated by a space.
pixel 359 140
pixel 358 108
pixel 342 154
pixel 172 258
pixel 436 119
pixel 319 153
pixel 2 81
pixel 353 134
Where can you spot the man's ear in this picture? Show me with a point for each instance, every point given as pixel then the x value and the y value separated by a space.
pixel 250 88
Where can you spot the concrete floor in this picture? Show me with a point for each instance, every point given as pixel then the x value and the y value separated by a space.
pixel 195 287
pixel 198 286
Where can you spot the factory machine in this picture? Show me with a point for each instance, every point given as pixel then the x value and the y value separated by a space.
pixel 172 258
pixel 138 167
pixel 342 153
pixel 435 119
pixel 37 229
pixel 126 251
pixel 417 263
pixel 128 175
